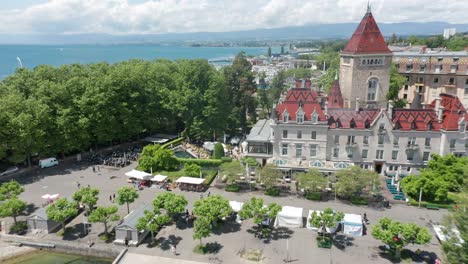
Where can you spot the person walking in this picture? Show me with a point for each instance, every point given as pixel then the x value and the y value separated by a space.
pixel 113 197
pixel 201 196
pixel 78 185
pixel 94 169
pixel 209 193
pixel 110 198
pixel 174 250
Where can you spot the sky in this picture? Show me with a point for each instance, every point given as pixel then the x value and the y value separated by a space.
pixel 121 17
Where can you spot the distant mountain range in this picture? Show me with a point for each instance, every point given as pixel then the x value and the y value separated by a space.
pixel 322 31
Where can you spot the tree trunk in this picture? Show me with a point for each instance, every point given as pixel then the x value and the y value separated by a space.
pixel 29 160
pixel 63 227
pixel 128 208
pixel 397 253
pixel 105 228
pixel 152 237
pixel 14 219
pixel 200 242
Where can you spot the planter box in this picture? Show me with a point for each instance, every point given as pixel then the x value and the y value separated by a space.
pixel 324 243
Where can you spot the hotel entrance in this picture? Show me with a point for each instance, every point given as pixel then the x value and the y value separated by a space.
pixel 378 165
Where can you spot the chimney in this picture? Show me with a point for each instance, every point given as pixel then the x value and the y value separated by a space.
pixel 325 109
pixel 357 105
pixel 437 103
pixel 390 109
pixel 440 113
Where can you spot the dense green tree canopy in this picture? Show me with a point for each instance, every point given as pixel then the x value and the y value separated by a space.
pixel 352 181
pixel 326 219
pixel 192 170
pixel 10 189
pixel 170 202
pixel 104 215
pixel 61 210
pixel 313 180
pixel 269 175
pixel 12 207
pixel 126 195
pixel 396 82
pixel 213 208
pixel 258 211
pixel 87 196
pixel 156 158
pixel 152 222
pixel 231 171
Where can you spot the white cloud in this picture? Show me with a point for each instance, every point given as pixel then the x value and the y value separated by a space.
pixel 162 16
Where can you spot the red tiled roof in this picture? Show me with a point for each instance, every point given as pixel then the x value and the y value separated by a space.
pixel 303 83
pixel 305 97
pixel 454 111
pixel 367 38
pixel 345 116
pixel 415 119
pixel 335 99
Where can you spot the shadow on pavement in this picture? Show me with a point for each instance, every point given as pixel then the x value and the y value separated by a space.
pixel 342 241
pixel 228 226
pixel 213 247
pixel 165 243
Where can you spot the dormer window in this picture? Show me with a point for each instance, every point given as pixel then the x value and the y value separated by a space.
pixel 429 126
pixel 413 125
pixel 367 124
pixel 338 123
pixel 285 117
pixel 314 117
pixel 300 118
pixel 462 127
pixel 352 124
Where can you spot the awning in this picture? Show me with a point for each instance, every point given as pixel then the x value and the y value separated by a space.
pixel 140 175
pixel 190 180
pixel 159 178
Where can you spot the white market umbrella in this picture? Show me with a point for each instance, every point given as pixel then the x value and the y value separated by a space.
pixel 45 196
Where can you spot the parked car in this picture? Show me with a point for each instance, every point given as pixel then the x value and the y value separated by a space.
pixel 9 171
pixel 49 162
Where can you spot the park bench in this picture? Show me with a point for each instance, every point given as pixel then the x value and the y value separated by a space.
pixel 432 206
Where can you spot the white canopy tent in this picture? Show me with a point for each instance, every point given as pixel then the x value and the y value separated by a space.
pixel 313 228
pixel 140 175
pixel 236 206
pixel 50 196
pixel 208 145
pixel 352 224
pixel 289 217
pixel 190 180
pixel 159 178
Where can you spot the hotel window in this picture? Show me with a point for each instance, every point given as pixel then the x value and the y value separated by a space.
pixel 349 152
pixel 284 149
pixel 336 151
pixel 407 78
pixel 436 80
pixel 411 141
pixel 406 87
pixel 455 59
pixel 313 150
pixel 453 68
pixel 365 140
pixel 405 96
pixel 422 68
pixel 440 59
pixel 337 139
pixel 372 89
pixel 426 156
pixel 410 155
pixel 379 154
pixel 299 134
pixel 298 150
pixel 409 67
pixel 381 139
pixel 452 143
pixel 394 154
pixel 364 153
pixel 314 118
pixel 395 140
pixel 421 79
pixel 285 134
pixel 427 142
pixel 439 67
pixel 451 81
pixel 350 139
pixel 313 135
pixel 300 118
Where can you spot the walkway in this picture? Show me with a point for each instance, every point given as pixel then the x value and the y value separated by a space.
pixel 131 258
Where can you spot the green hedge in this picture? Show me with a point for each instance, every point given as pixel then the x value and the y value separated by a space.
pixel 272 191
pixel 173 142
pixel 226 159
pixel 313 196
pixel 232 188
pixel 424 204
pixel 359 200
pixel 210 178
pixel 201 162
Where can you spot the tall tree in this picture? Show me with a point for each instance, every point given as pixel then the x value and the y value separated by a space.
pixel 152 222
pixel 126 195
pixel 201 228
pixel 396 83
pixel 12 207
pixel 212 208
pixel 269 175
pixel 328 218
pixel 104 215
pixel 10 189
pixel 258 211
pixel 172 203
pixel 352 181
pixel 313 180
pixel 87 196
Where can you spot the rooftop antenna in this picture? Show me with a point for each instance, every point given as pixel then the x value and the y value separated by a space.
pixel 19 62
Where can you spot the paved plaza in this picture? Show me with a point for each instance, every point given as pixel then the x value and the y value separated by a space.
pixel 229 242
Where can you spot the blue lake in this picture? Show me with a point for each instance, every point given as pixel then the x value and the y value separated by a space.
pixel 56 55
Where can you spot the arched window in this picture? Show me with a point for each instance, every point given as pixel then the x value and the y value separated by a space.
pixel 372 89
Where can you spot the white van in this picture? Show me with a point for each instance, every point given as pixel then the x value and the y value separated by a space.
pixel 49 162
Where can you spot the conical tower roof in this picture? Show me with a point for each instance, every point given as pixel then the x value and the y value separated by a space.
pixel 335 99
pixel 367 39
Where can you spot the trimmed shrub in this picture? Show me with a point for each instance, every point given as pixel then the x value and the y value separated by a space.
pixel 218 151
pixel 232 188
pixel 210 178
pixel 313 196
pixel 272 191
pixel 19 228
pixel 359 200
pixel 174 142
pixel 424 204
pixel 226 159
pixel 192 169
pixel 201 162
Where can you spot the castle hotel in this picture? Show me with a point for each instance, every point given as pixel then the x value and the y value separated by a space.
pixel 354 124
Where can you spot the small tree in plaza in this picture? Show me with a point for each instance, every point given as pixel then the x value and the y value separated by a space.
pixel 12 207
pixel 61 210
pixel 10 189
pixel 269 175
pixel 192 170
pixel 152 222
pixel 231 171
pixel 201 229
pixel 313 180
pixel 170 202
pixel 126 195
pixel 398 235
pixel 326 219
pixel 87 196
pixel 258 211
pixel 104 215
pixel 212 208
pixel 352 181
